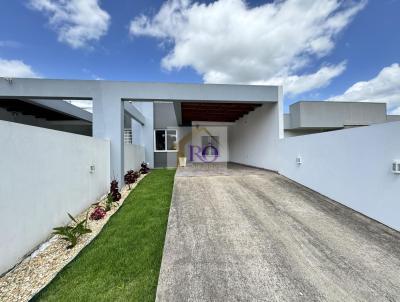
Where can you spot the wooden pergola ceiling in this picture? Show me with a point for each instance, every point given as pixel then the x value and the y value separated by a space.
pixel 215 112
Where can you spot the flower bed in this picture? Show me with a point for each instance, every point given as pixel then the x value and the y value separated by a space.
pixel 38 269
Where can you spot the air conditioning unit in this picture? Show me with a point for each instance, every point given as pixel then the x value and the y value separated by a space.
pixel 298 160
pixel 396 167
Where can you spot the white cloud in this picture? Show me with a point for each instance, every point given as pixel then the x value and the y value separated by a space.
pixel 16 69
pixel 296 84
pixel 77 22
pixel 385 88
pixel 228 42
pixel 395 111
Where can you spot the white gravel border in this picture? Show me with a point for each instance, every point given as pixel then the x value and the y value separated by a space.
pixel 37 270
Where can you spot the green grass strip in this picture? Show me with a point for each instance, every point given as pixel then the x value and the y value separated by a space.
pixel 123 262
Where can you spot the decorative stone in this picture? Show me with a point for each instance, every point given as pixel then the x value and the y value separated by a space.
pixel 37 270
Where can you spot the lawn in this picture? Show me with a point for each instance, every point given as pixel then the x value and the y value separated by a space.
pixel 123 262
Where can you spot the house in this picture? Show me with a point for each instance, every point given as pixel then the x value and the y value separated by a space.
pixel 308 117
pixel 159 115
pixel 172 119
pixel 65 171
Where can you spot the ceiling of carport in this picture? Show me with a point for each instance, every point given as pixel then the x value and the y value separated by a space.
pixel 215 112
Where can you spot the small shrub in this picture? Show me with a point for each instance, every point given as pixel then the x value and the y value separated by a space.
pixel 114 191
pixel 98 213
pixel 144 168
pixel 72 233
pixel 109 202
pixel 113 196
pixel 131 177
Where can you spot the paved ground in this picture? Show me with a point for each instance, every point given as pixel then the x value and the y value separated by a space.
pixel 251 235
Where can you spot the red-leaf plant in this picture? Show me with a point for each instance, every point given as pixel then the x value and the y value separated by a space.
pixel 98 213
pixel 131 177
pixel 144 168
pixel 114 191
pixel 113 196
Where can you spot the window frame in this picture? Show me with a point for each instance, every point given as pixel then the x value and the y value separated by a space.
pixel 166 139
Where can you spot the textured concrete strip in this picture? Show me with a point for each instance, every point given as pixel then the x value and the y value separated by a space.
pixel 259 237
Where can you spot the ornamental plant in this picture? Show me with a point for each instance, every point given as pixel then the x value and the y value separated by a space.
pixel 109 202
pixel 131 177
pixel 98 213
pixel 144 168
pixel 114 191
pixel 72 233
pixel 114 196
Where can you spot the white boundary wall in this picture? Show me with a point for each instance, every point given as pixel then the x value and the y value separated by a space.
pixel 351 166
pixel 254 139
pixel 43 175
pixel 134 155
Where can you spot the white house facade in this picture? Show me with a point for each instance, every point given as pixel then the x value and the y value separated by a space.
pixel 160 123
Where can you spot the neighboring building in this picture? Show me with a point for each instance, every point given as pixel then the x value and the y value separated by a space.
pixel 307 117
pixel 59 115
pixel 51 114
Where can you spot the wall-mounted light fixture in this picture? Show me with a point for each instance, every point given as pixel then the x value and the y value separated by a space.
pixel 299 160
pixel 92 168
pixel 396 166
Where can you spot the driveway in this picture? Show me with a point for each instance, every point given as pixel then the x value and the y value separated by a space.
pixel 251 235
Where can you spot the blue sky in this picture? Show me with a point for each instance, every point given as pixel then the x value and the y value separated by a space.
pixel 337 51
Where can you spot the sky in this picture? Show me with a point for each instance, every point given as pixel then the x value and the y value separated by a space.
pixel 318 50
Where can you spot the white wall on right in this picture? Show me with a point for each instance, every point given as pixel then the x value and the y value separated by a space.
pixel 254 139
pixel 351 166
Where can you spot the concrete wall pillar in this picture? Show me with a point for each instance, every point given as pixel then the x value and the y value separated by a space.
pixel 108 123
pixel 147 134
pixel 137 133
pixel 127 121
pixel 281 125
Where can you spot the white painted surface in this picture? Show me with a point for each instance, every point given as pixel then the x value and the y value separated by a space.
pixel 351 166
pixel 137 137
pixel 206 130
pixel 321 114
pixel 44 174
pixel 147 109
pixel 90 89
pixel 134 156
pixel 254 139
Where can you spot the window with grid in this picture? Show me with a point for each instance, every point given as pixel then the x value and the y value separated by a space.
pixel 128 136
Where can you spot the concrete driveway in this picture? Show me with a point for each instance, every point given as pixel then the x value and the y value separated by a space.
pixel 250 235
